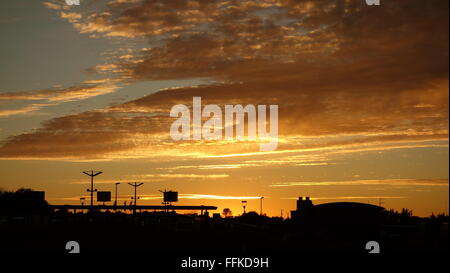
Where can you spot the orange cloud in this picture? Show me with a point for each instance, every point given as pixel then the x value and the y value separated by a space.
pixel 345 76
pixel 72 93
pixel 390 182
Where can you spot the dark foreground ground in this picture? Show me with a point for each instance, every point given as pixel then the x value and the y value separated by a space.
pixel 182 235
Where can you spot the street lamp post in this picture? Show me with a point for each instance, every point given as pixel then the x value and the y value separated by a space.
pixel 82 203
pixel 135 185
pixel 260 205
pixel 92 190
pixel 244 204
pixel 115 201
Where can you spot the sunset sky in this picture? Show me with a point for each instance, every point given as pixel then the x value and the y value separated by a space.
pixel 362 93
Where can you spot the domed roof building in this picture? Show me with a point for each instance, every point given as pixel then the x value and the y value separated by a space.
pixel 343 218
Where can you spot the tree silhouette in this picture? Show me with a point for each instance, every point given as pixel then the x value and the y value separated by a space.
pixel 227 212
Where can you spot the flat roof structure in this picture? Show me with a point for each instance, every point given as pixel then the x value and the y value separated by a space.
pixel 138 207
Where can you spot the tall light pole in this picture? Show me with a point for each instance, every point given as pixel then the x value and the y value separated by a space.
pixel 135 185
pixel 115 201
pixel 244 204
pixel 92 174
pixel 260 205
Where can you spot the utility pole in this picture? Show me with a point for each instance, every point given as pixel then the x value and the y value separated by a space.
pixel 135 185
pixel 92 190
pixel 380 201
pixel 260 205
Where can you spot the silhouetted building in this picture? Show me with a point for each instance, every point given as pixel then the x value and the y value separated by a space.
pixel 36 196
pixel 348 219
pixel 347 212
pixel 338 219
pixel 23 205
pixel 304 209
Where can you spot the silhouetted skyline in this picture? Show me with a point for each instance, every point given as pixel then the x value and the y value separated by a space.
pixel 30 224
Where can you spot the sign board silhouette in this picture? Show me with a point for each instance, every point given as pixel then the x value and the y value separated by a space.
pixel 103 196
pixel 170 196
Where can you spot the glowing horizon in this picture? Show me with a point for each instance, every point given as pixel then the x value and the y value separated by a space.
pixel 362 113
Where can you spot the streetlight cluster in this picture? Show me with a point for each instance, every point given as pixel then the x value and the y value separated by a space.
pixel 244 205
pixel 92 174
